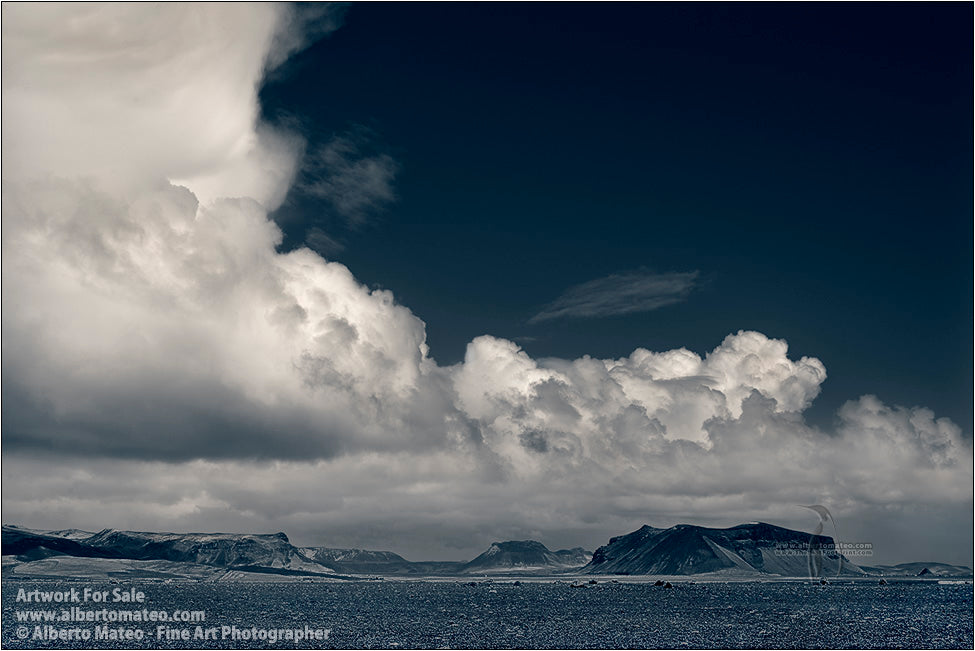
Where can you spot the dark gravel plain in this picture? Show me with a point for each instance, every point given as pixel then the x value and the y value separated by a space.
pixel 500 614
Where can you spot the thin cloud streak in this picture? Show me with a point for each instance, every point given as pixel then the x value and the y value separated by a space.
pixel 626 293
pixel 357 182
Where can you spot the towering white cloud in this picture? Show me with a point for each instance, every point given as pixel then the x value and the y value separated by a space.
pixel 127 96
pixel 162 355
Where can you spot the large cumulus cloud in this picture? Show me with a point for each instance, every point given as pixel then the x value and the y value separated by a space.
pixel 165 328
pixel 161 356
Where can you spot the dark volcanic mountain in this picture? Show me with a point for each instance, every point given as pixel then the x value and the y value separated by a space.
pixel 526 556
pixel 688 549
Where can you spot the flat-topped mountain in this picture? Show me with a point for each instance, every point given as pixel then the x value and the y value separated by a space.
pixel 526 556
pixel 758 548
pixel 240 551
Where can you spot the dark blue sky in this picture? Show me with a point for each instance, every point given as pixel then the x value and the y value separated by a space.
pixel 813 162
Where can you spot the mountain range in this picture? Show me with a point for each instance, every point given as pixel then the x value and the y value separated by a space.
pixel 747 550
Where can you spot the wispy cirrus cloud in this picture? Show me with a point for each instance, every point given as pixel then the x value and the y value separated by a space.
pixel 625 293
pixel 352 175
pixel 318 240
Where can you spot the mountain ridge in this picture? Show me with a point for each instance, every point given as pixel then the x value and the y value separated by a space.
pixel 249 552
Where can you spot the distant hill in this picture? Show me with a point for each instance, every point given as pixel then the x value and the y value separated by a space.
pixel 921 569
pixel 352 556
pixel 526 556
pixel 757 548
pixel 364 561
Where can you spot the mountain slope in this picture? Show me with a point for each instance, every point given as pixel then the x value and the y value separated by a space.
pixel 63 566
pixel 757 548
pixel 71 534
pixel 30 545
